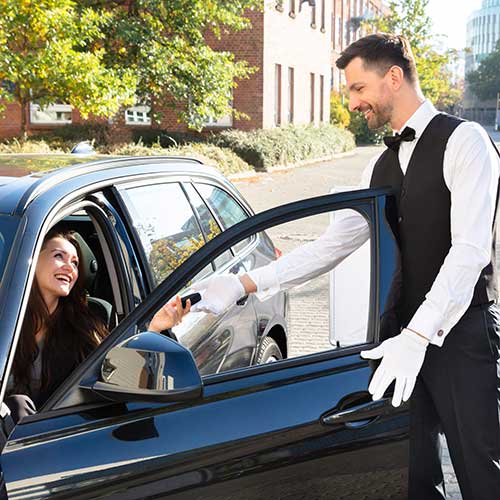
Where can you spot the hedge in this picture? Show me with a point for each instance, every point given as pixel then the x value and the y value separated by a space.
pixel 223 159
pixel 286 145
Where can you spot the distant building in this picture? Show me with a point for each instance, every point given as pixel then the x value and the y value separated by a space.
pixel 294 47
pixel 483 31
pixel 347 18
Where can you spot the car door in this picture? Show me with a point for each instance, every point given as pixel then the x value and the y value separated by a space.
pixel 169 222
pixel 300 428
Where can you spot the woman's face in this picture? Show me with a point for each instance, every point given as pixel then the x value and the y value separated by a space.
pixel 57 269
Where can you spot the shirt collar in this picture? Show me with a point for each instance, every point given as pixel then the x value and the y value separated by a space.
pixel 419 120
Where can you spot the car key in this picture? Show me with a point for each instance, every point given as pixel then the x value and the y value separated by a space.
pixel 193 297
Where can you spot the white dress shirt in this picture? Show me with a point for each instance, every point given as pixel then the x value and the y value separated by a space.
pixel 471 169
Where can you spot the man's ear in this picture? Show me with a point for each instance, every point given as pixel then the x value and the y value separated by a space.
pixel 396 77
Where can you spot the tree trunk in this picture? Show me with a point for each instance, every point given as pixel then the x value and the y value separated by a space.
pixel 24 111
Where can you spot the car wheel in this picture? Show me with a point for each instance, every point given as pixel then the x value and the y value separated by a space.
pixel 269 352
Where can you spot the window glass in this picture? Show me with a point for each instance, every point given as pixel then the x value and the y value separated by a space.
pixel 225 207
pixel 53 113
pixel 209 225
pixel 166 225
pixel 8 227
pixel 315 308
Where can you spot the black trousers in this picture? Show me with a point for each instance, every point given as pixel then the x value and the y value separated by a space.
pixel 458 393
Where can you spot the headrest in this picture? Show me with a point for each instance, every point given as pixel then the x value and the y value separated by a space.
pixel 89 264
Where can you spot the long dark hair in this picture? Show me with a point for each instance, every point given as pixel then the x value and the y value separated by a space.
pixel 72 330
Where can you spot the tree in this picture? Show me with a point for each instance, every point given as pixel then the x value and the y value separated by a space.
pixel 52 51
pixel 165 43
pixel 485 81
pixel 409 18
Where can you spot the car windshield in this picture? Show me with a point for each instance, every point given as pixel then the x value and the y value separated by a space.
pixel 8 226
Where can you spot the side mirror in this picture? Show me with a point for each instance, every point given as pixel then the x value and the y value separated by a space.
pixel 149 367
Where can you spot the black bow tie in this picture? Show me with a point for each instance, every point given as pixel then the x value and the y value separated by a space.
pixel 393 141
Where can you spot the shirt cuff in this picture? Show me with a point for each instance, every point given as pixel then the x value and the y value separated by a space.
pixel 266 281
pixel 428 323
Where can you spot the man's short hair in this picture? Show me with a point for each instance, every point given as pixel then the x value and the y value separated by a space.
pixel 380 52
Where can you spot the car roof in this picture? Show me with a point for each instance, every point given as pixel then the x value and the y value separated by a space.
pixel 25 182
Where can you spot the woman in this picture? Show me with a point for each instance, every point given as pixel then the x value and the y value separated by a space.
pixel 59 330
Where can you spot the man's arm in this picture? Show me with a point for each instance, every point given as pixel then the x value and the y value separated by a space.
pixel 347 233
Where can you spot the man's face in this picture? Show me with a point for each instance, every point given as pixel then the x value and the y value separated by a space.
pixel 369 93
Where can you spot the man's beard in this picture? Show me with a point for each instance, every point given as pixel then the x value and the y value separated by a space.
pixel 380 116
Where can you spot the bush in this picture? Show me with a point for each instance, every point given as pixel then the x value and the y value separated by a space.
pixel 363 134
pixel 164 138
pixel 339 114
pixel 96 132
pixel 223 159
pixel 15 146
pixel 285 145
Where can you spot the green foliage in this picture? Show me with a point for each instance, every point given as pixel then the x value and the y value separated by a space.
pixel 165 138
pixel 339 114
pixel 409 18
pixel 485 81
pixel 51 51
pixel 163 42
pixel 285 145
pixel 359 127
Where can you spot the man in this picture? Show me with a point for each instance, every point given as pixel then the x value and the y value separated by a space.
pixel 446 347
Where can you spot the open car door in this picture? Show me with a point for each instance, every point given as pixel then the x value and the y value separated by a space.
pixel 137 421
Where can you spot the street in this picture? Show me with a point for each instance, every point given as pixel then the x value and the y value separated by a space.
pixel 276 188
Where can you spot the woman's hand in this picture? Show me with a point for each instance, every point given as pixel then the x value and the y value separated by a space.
pixel 169 315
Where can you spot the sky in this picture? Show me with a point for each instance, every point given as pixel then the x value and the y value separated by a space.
pixel 449 17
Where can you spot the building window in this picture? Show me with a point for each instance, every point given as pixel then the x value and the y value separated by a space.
pixel 321 98
pixel 311 119
pixel 225 121
pixel 138 115
pixel 291 84
pixel 53 114
pixel 277 95
pixel 291 8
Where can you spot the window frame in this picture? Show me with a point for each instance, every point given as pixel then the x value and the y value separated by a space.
pixel 63 108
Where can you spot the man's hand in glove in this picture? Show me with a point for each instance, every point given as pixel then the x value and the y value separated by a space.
pixel 402 358
pixel 218 293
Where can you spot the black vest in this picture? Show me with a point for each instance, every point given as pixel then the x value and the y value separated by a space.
pixel 420 218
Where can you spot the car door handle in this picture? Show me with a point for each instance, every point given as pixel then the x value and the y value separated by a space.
pixel 359 414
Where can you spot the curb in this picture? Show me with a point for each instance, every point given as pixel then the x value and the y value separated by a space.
pixel 256 175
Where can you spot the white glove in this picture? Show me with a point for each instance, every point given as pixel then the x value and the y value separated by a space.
pixel 218 293
pixel 402 357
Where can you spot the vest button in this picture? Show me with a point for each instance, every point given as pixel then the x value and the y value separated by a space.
pixel 440 333
pixel 400 219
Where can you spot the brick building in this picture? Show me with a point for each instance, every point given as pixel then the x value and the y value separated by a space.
pixel 292 44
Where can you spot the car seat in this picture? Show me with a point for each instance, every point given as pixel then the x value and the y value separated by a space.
pixel 102 308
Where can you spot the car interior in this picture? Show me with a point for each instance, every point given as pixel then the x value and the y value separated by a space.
pixel 97 278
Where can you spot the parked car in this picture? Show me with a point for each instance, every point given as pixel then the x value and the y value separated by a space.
pixel 199 414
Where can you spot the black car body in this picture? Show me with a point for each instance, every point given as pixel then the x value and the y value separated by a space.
pixel 193 427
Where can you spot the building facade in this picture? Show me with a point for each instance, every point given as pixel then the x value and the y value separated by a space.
pixel 483 32
pixel 293 47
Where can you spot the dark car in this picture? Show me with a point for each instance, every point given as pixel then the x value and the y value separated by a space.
pixel 196 413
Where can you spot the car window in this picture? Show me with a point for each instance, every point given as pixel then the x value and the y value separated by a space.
pixel 226 208
pixel 8 226
pixel 166 225
pixel 210 226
